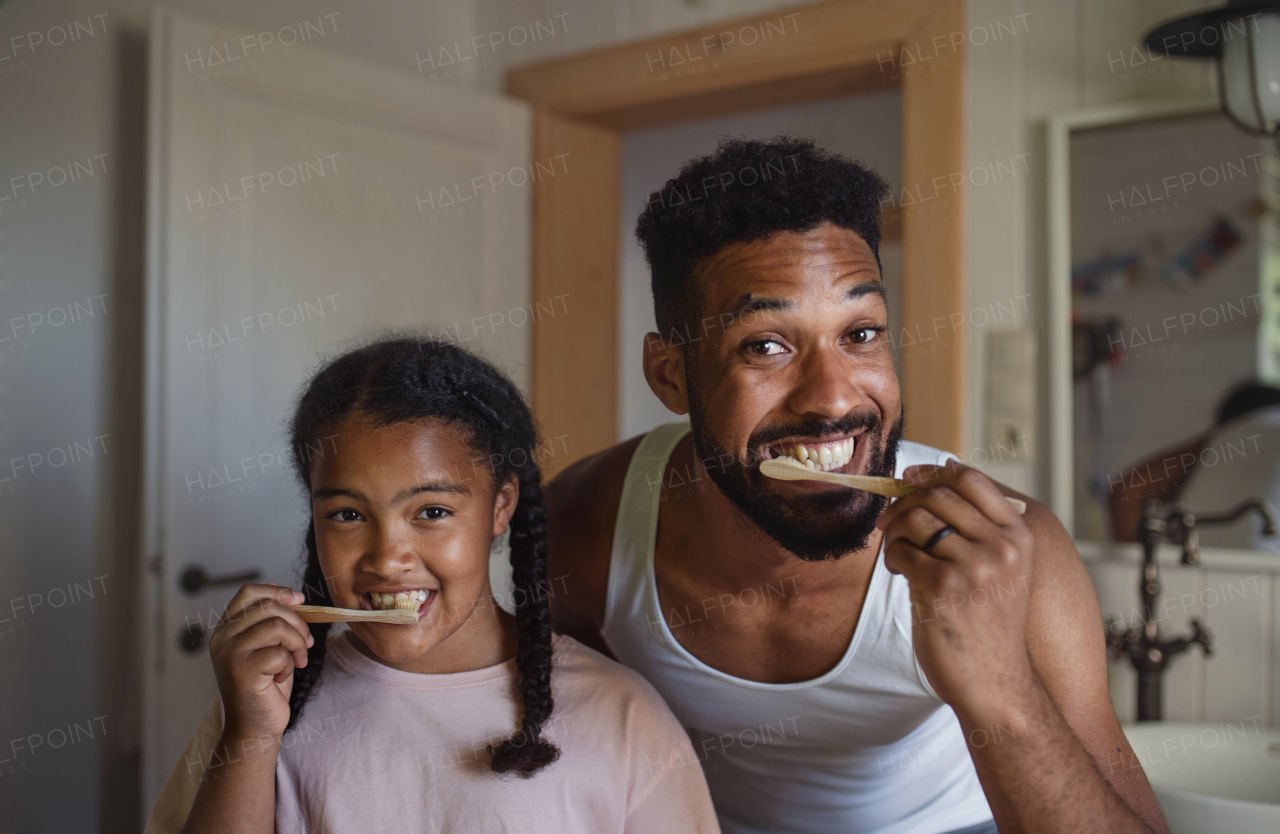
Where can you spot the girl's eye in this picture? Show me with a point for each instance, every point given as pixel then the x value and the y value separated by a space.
pixel 344 515
pixel 764 347
pixel 433 513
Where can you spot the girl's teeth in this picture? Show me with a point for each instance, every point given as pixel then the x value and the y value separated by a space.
pixel 403 600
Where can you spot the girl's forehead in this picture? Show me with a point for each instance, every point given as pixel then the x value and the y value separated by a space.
pixel 432 448
pixel 434 432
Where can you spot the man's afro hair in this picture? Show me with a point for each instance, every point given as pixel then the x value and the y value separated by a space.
pixel 747 190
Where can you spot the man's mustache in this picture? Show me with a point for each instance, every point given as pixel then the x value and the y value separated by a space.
pixel 817 429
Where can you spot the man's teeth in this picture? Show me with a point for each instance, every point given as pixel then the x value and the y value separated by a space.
pixel 404 600
pixel 821 456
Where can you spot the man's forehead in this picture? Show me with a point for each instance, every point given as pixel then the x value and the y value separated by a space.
pixel 828 253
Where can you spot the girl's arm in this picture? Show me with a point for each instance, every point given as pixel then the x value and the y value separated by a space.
pixel 238 792
pixel 255 649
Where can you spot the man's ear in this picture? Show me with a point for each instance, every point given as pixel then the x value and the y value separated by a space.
pixel 504 504
pixel 665 371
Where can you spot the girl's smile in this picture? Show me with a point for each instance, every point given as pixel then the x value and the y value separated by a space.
pixel 388 599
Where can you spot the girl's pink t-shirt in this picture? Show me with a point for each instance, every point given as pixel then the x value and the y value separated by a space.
pixel 377 749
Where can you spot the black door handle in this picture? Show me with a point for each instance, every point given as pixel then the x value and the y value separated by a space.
pixel 191 638
pixel 194 579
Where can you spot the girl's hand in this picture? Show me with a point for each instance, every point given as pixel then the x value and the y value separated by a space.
pixel 256 646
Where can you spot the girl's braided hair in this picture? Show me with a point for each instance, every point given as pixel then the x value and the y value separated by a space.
pixel 396 380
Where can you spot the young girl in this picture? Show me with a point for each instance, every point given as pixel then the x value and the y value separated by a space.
pixel 471 720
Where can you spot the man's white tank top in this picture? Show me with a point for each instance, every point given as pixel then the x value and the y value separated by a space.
pixel 866 747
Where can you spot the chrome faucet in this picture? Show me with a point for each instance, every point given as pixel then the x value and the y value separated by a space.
pixel 1141 643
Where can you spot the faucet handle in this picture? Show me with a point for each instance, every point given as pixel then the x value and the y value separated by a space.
pixel 1191 545
pixel 1199 634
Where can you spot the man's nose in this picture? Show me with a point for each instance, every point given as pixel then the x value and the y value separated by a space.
pixel 825 386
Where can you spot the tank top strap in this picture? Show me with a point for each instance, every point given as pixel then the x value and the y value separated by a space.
pixel 636 527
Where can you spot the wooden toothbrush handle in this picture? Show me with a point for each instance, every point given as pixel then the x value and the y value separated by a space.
pixel 327 614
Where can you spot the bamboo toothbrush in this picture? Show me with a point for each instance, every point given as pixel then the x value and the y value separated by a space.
pixel 789 469
pixel 325 614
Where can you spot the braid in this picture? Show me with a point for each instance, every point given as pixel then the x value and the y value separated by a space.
pixel 526 752
pixel 316 592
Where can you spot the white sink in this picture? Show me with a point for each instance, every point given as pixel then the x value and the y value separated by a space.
pixel 1212 777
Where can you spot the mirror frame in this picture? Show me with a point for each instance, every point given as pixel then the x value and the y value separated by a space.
pixel 1058 292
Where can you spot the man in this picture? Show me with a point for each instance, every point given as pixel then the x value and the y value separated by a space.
pixel 841 665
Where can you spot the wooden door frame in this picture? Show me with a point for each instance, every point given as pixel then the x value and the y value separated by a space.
pixel 805 53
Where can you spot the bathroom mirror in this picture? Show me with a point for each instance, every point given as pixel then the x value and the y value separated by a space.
pixel 1158 309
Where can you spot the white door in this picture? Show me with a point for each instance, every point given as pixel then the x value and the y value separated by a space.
pixel 297 201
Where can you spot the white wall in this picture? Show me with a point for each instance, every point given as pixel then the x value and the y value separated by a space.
pixel 82 241
pixel 587 24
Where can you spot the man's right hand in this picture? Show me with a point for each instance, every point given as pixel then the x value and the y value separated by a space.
pixel 256 646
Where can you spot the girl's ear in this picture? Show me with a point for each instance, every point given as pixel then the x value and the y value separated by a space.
pixel 504 504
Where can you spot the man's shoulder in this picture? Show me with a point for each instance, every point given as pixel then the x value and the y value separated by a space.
pixel 579 483
pixel 582 508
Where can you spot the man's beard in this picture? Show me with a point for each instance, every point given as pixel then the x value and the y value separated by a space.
pixel 815 527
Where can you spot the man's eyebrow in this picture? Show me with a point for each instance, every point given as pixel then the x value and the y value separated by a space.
pixel 446 487
pixel 752 304
pixel 865 288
